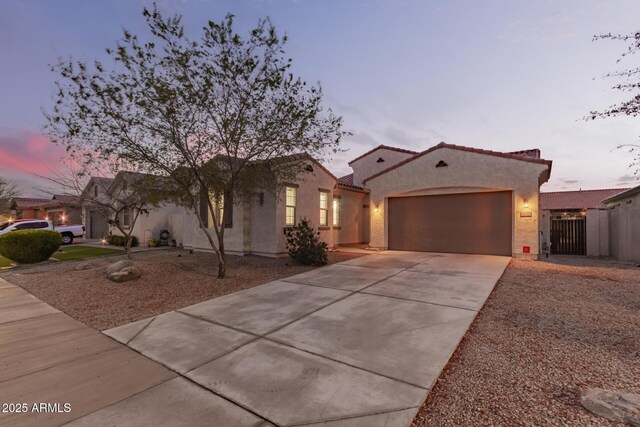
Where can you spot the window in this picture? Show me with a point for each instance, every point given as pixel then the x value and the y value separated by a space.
pixel 324 208
pixel 222 212
pixel 31 225
pixel 95 191
pixel 220 209
pixel 336 212
pixel 290 202
pixel 126 217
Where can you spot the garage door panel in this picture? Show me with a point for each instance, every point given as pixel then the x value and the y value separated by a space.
pixel 474 223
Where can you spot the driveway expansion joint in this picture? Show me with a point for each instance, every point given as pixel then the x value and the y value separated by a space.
pixel 312 330
pixel 418 301
pixel 369 414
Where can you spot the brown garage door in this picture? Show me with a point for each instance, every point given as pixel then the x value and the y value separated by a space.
pixel 473 223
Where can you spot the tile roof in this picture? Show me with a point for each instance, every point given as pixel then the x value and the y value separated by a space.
pixel 385 147
pixel 102 181
pixel 29 202
pixel 514 155
pixel 347 181
pixel 66 198
pixel 581 199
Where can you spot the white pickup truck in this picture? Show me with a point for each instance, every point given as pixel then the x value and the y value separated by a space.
pixel 69 232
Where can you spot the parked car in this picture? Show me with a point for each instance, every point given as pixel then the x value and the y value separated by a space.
pixel 69 232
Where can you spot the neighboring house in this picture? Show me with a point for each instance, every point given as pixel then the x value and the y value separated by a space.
pixel 447 198
pixel 96 216
pixel 624 224
pixel 60 209
pixel 29 207
pixel 100 193
pixel 576 222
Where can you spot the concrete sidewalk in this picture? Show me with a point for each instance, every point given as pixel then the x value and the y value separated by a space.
pixel 48 358
pixel 358 343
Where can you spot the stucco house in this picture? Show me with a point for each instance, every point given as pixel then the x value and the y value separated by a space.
pixel 95 216
pixel 255 226
pixel 60 208
pixel 624 224
pixel 102 192
pixel 447 198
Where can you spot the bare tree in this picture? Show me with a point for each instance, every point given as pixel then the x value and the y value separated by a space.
pixel 628 81
pixel 121 199
pixel 222 117
pixel 8 192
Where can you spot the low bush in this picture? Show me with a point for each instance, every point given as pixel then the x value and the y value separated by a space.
pixel 303 244
pixel 30 246
pixel 122 240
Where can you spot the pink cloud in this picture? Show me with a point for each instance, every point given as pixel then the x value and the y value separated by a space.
pixel 27 152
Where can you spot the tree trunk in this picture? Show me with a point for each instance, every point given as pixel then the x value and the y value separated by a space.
pixel 128 246
pixel 222 262
pixel 222 266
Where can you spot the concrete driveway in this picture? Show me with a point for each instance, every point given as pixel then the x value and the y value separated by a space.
pixel 358 343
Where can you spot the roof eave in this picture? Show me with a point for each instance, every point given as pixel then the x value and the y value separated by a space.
pixel 469 150
pixel 384 147
pixel 350 188
pixel 622 195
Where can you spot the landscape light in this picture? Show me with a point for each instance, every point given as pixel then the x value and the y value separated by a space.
pixel 103 241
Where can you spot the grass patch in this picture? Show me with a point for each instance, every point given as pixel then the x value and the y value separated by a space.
pixel 4 262
pixel 70 253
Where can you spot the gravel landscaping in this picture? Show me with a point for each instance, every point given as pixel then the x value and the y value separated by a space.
pixel 171 279
pixel 548 330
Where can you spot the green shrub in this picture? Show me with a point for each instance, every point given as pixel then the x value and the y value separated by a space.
pixel 304 245
pixel 29 246
pixel 122 240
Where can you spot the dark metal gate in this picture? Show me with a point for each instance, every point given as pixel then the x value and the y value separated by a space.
pixel 569 236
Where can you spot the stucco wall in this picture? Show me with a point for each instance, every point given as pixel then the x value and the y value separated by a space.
pixel 597 232
pixel 262 219
pixel 597 228
pixel 307 205
pixel 352 218
pixel 624 229
pixel 259 229
pixel 195 237
pixel 545 226
pixel 368 165
pixel 150 226
pixel 466 172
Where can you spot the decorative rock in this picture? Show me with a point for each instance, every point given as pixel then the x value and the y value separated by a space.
pixel 117 266
pixel 613 405
pixel 125 275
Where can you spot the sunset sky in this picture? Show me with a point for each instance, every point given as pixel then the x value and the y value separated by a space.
pixel 500 75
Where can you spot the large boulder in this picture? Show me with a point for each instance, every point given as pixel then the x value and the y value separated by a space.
pixel 117 266
pixel 125 275
pixel 613 405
